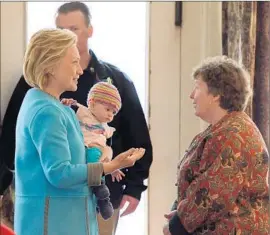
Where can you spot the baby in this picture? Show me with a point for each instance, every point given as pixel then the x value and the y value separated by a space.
pixel 103 103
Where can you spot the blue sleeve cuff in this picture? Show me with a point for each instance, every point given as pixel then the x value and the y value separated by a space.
pixel 176 227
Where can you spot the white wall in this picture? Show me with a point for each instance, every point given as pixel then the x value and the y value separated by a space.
pixel 165 110
pixel 200 38
pixel 173 53
pixel 11 47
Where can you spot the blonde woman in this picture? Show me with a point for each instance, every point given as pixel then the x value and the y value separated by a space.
pixel 52 179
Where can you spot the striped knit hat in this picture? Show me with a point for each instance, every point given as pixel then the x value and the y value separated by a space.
pixel 105 93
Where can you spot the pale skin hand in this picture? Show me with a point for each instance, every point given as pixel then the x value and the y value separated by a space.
pixel 128 158
pixel 168 216
pixel 132 205
pixel 166 230
pixel 107 154
pixel 117 175
pixel 123 160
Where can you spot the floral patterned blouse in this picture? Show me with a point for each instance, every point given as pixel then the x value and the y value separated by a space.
pixel 223 180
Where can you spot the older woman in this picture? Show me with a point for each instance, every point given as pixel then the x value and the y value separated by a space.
pixel 223 176
pixel 52 178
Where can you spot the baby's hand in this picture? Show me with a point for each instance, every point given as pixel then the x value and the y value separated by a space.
pixel 117 175
pixel 68 102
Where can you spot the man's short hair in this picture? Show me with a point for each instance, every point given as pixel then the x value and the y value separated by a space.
pixel 76 6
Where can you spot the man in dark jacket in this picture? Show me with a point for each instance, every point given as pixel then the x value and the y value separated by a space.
pixel 130 123
pixel 6 177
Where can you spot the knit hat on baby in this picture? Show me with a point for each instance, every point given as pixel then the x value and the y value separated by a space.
pixel 105 93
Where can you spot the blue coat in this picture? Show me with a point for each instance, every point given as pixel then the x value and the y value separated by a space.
pixel 52 196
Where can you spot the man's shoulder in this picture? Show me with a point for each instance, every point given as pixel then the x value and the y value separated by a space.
pixel 22 82
pixel 21 88
pixel 116 73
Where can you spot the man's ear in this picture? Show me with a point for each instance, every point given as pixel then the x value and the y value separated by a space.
pixel 90 31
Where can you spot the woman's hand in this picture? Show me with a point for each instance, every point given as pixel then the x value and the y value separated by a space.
pixel 128 158
pixel 125 159
pixel 166 230
pixel 170 215
pixel 117 175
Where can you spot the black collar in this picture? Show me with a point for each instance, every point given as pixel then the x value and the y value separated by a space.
pixel 97 67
